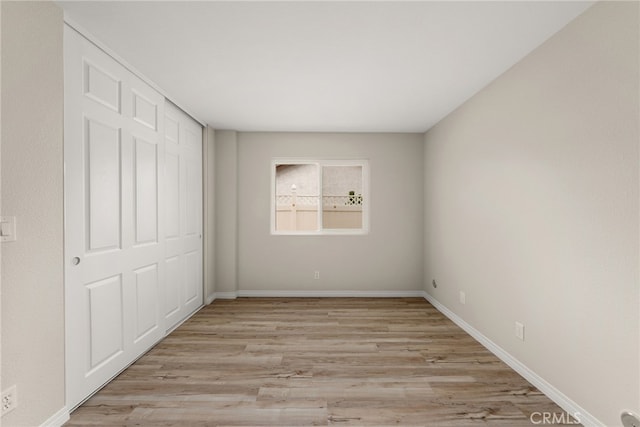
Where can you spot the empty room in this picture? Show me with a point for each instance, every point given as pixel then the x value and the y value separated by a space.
pixel 265 213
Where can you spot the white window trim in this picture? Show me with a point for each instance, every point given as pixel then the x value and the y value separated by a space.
pixel 366 196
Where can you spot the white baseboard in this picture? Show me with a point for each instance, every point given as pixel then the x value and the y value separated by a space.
pixel 57 419
pixel 225 295
pixel 209 298
pixel 540 383
pixel 330 294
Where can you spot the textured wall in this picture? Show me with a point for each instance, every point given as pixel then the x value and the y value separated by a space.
pixel 388 258
pixel 32 190
pixel 531 201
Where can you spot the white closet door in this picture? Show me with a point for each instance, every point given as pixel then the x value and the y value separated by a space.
pixel 114 217
pixel 183 213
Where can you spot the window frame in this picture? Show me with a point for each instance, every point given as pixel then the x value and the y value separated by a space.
pixel 320 163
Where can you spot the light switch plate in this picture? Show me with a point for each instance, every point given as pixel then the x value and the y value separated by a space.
pixel 7 228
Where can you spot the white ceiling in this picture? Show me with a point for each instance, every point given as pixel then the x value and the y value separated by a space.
pixel 322 66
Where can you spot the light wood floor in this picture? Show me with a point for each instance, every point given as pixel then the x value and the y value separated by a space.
pixel 307 361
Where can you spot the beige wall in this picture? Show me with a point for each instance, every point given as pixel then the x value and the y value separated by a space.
pixel 209 217
pixel 389 258
pixel 32 168
pixel 531 201
pixel 226 211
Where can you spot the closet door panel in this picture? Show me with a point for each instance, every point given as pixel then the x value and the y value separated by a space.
pixel 183 211
pixel 106 321
pixel 114 247
pixel 133 217
pixel 102 180
pixel 146 191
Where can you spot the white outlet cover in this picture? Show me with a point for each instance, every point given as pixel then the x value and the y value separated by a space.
pixel 520 331
pixel 463 298
pixel 9 399
pixel 7 228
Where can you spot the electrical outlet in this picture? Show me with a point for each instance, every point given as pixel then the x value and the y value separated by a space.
pixel 433 282
pixel 463 298
pixel 520 331
pixel 629 419
pixel 316 275
pixel 9 399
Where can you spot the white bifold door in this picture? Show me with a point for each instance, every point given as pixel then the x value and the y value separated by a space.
pixel 133 203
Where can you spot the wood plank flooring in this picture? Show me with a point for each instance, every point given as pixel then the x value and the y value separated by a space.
pixel 308 361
